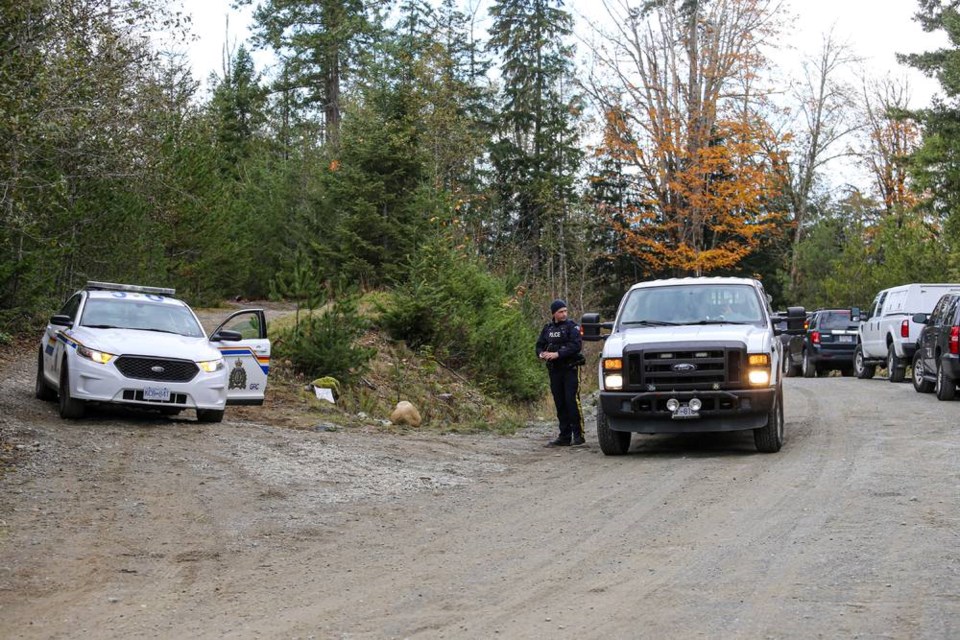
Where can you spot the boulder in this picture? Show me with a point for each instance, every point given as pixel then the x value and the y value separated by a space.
pixel 405 413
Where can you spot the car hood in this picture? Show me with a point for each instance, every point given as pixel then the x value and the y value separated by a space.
pixel 145 343
pixel 756 338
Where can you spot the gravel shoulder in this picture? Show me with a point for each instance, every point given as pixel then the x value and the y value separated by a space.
pixel 127 526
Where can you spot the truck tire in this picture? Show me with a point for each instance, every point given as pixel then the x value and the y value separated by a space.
pixel 896 370
pixel 43 390
pixel 808 367
pixel 612 443
pixel 769 439
pixel 69 408
pixel 920 385
pixel 946 387
pixel 860 368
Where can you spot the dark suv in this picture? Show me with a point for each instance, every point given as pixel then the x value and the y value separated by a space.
pixel 827 344
pixel 936 363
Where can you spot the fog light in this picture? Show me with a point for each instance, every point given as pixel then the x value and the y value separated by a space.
pixel 673 404
pixel 695 404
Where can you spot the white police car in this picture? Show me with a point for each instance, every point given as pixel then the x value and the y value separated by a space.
pixel 124 344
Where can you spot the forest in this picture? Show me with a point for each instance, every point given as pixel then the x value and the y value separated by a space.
pixel 468 176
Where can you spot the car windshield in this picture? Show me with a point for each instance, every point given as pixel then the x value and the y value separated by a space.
pixel 692 304
pixel 836 320
pixel 126 313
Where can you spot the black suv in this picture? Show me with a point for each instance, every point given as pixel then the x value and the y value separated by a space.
pixel 936 363
pixel 827 344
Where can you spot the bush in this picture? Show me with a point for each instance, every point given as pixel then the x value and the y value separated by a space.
pixel 325 343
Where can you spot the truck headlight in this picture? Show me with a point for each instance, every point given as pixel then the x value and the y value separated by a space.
pixel 211 365
pixel 759 377
pixel 99 357
pixel 613 381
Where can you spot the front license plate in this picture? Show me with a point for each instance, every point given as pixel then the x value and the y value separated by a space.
pixel 685 413
pixel 156 393
pixel 846 338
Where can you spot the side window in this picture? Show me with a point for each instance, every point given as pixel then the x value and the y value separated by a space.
pixel 950 313
pixel 878 307
pixel 939 311
pixel 247 324
pixel 71 308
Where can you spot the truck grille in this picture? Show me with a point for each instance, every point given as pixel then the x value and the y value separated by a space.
pixel 685 368
pixel 158 369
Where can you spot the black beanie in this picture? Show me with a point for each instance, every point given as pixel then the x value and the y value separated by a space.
pixel 556 305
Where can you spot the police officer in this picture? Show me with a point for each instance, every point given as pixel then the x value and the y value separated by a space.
pixel 559 346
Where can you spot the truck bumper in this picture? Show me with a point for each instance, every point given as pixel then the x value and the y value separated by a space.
pixel 726 410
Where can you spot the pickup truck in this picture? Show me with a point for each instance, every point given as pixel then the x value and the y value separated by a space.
pixel 691 355
pixel 887 336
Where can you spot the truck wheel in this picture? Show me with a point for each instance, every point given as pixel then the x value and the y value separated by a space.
pixel 860 368
pixel 896 370
pixel 209 415
pixel 808 367
pixel 919 384
pixel 946 387
pixel 69 408
pixel 612 443
pixel 43 390
pixel 769 439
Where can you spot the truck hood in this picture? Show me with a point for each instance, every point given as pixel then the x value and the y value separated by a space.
pixel 756 338
pixel 145 343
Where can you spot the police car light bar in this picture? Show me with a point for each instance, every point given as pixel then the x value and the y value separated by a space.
pixel 112 286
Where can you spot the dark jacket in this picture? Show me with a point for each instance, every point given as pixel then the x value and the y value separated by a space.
pixel 563 338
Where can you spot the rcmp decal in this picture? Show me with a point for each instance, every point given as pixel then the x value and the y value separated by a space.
pixel 262 361
pixel 238 376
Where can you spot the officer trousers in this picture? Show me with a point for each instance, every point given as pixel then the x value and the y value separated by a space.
pixel 565 387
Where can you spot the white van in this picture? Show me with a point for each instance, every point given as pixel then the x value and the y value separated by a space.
pixel 888 335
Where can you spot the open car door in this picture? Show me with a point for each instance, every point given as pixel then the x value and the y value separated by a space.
pixel 248 361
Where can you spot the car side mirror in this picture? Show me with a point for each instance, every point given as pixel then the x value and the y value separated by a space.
pixel 920 318
pixel 590 327
pixel 61 321
pixel 225 335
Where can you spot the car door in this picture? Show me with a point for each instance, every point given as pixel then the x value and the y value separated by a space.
pixel 53 346
pixel 248 361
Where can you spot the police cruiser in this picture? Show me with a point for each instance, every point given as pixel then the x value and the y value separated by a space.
pixel 140 346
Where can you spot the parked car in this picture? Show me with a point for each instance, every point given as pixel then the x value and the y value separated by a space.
pixel 936 363
pixel 827 344
pixel 888 334
pixel 139 346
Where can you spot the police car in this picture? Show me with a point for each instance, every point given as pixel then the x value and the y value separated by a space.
pixel 140 346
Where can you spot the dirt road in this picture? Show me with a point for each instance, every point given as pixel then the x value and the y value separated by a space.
pixel 120 526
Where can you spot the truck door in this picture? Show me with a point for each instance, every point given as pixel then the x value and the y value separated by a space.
pixel 873 340
pixel 248 361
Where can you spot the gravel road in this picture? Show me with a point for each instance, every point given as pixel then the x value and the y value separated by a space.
pixel 124 526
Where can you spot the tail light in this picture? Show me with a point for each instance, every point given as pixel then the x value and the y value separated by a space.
pixel 905 329
pixel 815 337
pixel 955 340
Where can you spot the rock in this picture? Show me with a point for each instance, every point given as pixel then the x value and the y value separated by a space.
pixel 405 413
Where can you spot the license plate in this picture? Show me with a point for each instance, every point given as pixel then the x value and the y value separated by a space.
pixel 156 393
pixel 846 338
pixel 685 413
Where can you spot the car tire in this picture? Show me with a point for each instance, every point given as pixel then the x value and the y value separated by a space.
pixel 809 368
pixel 43 390
pixel 209 415
pixel 70 408
pixel 769 439
pixel 945 386
pixel 896 370
pixel 920 384
pixel 612 443
pixel 860 368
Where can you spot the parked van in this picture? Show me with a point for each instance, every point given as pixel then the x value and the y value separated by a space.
pixel 888 334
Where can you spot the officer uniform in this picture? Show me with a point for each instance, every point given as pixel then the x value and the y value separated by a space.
pixel 563 338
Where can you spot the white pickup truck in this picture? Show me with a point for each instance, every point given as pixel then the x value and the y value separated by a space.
pixel 691 355
pixel 887 336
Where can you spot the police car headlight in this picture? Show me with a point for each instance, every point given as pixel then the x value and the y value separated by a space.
pixel 211 365
pixel 613 382
pixel 99 357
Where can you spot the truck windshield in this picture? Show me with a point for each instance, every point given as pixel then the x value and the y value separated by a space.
pixel 692 304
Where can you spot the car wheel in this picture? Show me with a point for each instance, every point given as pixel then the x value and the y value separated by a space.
pixel 612 443
pixel 769 439
pixel 209 415
pixel 946 387
pixel 43 390
pixel 920 385
pixel 896 370
pixel 70 408
pixel 809 368
pixel 860 368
